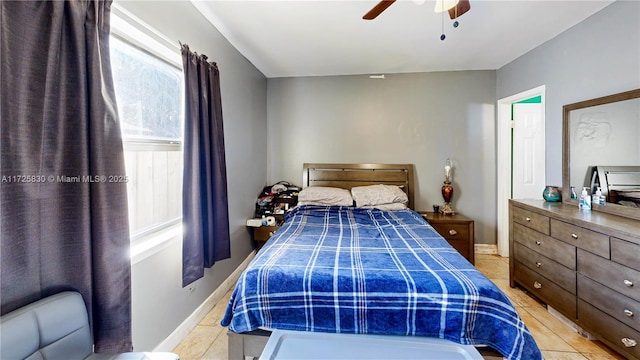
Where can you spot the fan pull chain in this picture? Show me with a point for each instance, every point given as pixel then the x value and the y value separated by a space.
pixel 456 23
pixel 443 36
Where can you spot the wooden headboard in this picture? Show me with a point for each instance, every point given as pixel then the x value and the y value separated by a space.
pixel 347 176
pixel 615 178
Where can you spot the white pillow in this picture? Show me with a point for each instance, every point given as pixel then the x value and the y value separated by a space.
pixel 322 195
pixel 378 194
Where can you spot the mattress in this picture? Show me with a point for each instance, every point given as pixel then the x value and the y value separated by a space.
pixel 341 269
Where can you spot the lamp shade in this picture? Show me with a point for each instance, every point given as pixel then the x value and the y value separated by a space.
pixel 444 5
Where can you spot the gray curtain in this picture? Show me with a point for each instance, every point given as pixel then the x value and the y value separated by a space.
pixel 64 225
pixel 205 213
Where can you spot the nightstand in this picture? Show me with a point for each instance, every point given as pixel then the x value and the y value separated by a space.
pixel 456 229
pixel 263 233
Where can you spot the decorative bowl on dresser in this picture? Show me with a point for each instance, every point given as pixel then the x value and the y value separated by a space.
pixel 586 265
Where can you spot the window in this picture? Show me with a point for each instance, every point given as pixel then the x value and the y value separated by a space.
pixel 149 93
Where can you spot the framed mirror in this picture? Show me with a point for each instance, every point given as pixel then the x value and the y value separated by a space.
pixel 601 149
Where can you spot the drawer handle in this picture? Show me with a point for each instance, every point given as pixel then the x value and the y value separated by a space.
pixel 538 242
pixel 538 264
pixel 628 312
pixel 628 283
pixel 537 285
pixel 575 236
pixel 452 232
pixel 527 219
pixel 629 342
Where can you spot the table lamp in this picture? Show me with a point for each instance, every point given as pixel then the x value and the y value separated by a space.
pixel 447 189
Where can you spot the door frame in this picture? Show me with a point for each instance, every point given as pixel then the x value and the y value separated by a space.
pixel 504 155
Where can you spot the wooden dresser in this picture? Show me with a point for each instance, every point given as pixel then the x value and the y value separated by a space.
pixel 586 265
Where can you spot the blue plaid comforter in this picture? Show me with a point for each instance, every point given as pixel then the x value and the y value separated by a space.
pixel 354 270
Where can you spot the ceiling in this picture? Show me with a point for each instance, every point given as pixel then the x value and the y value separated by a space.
pixel 319 38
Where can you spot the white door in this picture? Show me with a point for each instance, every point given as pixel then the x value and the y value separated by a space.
pixel 528 151
pixel 505 154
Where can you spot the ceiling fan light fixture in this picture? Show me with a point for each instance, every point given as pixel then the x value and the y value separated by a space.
pixel 444 5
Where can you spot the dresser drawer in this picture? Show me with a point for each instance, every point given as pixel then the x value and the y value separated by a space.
pixel 558 251
pixel 618 306
pixel 586 239
pixel 530 219
pixel 561 275
pixel 617 277
pixel 625 253
pixel 546 290
pixel 609 329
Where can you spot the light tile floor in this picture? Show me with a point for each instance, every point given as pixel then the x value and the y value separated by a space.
pixel 208 341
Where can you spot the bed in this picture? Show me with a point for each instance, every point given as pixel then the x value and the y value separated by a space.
pixel 362 270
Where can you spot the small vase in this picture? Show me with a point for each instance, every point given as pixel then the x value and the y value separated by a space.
pixel 447 191
pixel 551 194
pixel 447 194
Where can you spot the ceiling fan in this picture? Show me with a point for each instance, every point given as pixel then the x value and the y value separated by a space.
pixel 457 10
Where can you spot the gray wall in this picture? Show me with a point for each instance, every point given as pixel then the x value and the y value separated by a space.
pixel 420 118
pixel 159 302
pixel 597 57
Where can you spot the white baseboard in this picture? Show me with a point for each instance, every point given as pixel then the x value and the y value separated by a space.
pixel 194 319
pixel 486 249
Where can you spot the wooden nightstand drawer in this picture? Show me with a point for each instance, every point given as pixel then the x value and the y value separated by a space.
pixel 263 233
pixel 463 247
pixel 456 229
pixel 452 231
